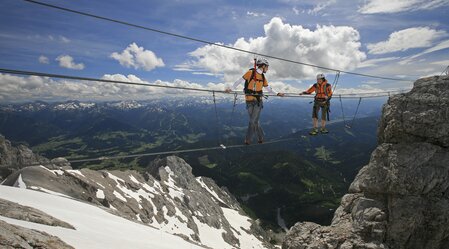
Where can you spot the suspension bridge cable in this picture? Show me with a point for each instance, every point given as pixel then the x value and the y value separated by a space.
pixel 105 158
pixel 207 42
pixel 71 77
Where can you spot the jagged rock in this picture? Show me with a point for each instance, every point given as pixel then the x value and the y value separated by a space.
pixel 14 158
pixel 420 115
pixel 12 236
pixel 400 199
pixel 19 212
pixel 168 196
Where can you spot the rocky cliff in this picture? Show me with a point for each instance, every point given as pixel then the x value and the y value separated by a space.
pixel 400 199
pixel 13 158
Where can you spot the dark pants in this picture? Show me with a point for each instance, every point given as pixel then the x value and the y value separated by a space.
pixel 254 108
pixel 317 105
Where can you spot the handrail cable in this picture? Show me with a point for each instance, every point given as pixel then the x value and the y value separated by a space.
pixel 205 41
pixel 60 76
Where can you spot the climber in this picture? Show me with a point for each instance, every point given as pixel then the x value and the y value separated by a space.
pixel 254 80
pixel 323 95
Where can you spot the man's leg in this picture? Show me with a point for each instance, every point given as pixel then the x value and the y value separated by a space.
pixel 257 111
pixel 314 130
pixel 323 119
pixel 250 106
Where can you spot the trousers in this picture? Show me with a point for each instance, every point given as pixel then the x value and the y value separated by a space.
pixel 254 109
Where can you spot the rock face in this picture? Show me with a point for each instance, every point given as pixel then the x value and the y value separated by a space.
pixel 400 199
pixel 12 236
pixel 168 196
pixel 19 212
pixel 14 158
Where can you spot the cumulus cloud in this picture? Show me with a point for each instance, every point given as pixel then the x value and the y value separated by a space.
pixel 327 46
pixel 388 6
pixel 66 61
pixel 43 59
pixel 20 89
pixel 138 58
pixel 405 39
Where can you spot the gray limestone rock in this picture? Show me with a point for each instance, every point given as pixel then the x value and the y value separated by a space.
pixel 16 211
pixel 168 192
pixel 400 199
pixel 12 236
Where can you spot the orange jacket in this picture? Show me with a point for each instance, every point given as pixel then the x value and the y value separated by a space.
pixel 255 84
pixel 321 90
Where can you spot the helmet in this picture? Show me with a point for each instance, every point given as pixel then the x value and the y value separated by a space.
pixel 262 61
pixel 320 76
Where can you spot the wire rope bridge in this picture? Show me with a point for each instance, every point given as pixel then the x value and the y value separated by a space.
pixel 221 146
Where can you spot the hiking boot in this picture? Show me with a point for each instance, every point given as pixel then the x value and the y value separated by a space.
pixel 313 132
pixel 323 130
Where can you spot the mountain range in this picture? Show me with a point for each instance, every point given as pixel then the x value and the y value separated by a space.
pixel 397 200
pixel 310 174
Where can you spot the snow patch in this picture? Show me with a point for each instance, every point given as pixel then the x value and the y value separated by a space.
pixel 120 196
pixel 100 194
pixel 75 172
pixel 50 191
pixel 118 180
pixel 201 182
pixel 210 236
pixel 133 179
pixel 20 183
pixel 173 189
pixel 95 228
pixel 241 224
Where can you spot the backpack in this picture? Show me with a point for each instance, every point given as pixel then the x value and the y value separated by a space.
pixel 250 91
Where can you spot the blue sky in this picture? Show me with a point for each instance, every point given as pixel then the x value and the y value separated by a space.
pixel 404 39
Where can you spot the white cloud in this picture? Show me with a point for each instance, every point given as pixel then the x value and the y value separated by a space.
pixel 296 11
pixel 66 61
pixel 64 39
pixel 320 7
pixel 255 14
pixel 138 58
pixel 390 6
pixel 376 62
pixel 402 40
pixel 19 89
pixel 43 59
pixel 439 46
pixel 328 46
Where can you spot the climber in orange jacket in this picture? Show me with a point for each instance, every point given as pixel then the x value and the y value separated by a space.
pixel 254 81
pixel 323 93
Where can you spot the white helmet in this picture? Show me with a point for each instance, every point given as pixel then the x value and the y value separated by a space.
pixel 262 61
pixel 320 76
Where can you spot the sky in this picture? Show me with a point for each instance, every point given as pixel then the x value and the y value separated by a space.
pixel 404 39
